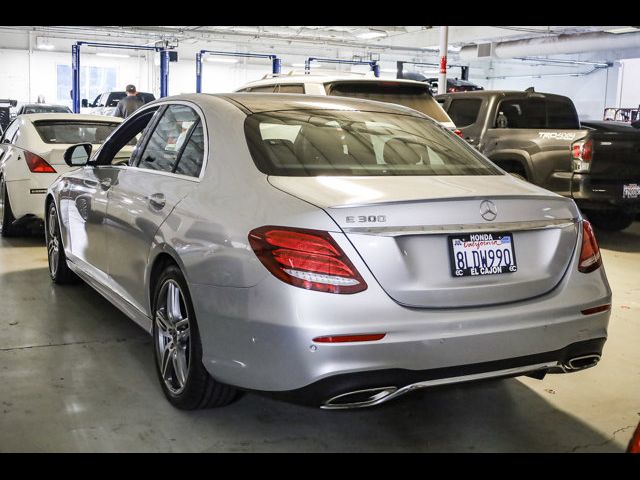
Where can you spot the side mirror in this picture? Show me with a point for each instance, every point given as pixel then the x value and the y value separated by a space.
pixel 78 155
pixel 85 103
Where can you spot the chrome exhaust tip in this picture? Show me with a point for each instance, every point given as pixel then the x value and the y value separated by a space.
pixel 359 398
pixel 580 363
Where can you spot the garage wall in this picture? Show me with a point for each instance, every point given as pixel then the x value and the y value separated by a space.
pixel 14 74
pixel 216 78
pixel 36 73
pixel 33 74
pixel 629 94
pixel 590 93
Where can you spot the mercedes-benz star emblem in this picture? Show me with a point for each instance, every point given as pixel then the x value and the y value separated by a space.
pixel 488 210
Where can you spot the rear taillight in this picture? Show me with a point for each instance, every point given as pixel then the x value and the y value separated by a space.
pixel 581 155
pixel 308 259
pixel 634 444
pixel 37 164
pixel 590 258
pixel 458 132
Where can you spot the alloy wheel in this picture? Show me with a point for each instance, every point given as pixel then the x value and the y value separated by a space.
pixel 2 195
pixel 173 339
pixel 53 244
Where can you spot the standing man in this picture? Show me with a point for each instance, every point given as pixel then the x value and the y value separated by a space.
pixel 130 103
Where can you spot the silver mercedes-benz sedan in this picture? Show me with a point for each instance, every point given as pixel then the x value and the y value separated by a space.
pixel 332 251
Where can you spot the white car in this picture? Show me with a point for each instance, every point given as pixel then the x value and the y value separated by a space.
pixel 409 93
pixel 32 157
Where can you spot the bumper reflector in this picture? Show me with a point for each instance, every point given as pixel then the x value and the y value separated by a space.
pixel 598 309
pixel 369 337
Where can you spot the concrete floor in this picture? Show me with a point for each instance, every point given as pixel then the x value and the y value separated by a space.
pixel 77 376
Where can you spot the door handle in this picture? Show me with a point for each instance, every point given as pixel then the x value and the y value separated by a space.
pixel 105 183
pixel 157 201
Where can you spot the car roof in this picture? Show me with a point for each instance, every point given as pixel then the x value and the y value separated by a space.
pixel 43 105
pixel 325 78
pixel 496 93
pixel 33 117
pixel 268 102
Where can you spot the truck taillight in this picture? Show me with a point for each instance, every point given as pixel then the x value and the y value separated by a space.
pixel 590 258
pixel 581 155
pixel 458 132
pixel 308 259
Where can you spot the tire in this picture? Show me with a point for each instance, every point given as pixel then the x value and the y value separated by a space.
pixel 6 215
pixel 58 269
pixel 178 356
pixel 611 220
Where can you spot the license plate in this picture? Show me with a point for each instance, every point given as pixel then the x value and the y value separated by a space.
pixel 630 190
pixel 479 254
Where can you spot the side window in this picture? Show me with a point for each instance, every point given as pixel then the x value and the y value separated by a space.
pixel 561 114
pixel 289 88
pixel 170 134
pixel 464 111
pixel 522 113
pixel 190 162
pixel 265 89
pixel 124 143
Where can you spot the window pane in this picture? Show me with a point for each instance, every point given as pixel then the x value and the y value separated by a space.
pixel 190 162
pixel 59 131
pixel 561 114
pixel 266 89
pixel 522 113
pixel 286 88
pixel 417 97
pixel 464 111
pixel 164 145
pixel 308 143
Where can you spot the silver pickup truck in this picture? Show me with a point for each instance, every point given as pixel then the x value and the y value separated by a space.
pixel 538 137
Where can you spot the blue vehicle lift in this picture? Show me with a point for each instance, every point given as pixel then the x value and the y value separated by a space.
pixel 275 62
pixel 375 67
pixel 75 66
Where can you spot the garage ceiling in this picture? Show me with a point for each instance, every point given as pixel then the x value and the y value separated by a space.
pixel 417 43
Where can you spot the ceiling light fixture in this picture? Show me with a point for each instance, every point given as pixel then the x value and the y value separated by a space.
pixel 371 34
pixel 222 60
pixel 112 55
pixel 43 43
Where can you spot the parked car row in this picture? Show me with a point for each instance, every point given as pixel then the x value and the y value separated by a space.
pixel 538 137
pixel 31 158
pixel 325 249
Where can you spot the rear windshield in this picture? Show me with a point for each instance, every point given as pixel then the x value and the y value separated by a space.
pixel 413 96
pixel 537 113
pixel 58 131
pixel 46 109
pixel 313 143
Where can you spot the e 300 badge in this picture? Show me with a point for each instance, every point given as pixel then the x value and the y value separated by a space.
pixel 367 219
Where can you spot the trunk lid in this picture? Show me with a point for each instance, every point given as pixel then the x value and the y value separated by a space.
pixel 55 156
pixel 401 226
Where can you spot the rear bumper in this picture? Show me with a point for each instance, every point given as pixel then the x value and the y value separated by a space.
pixel 261 338
pixel 591 192
pixel 331 392
pixel 27 196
